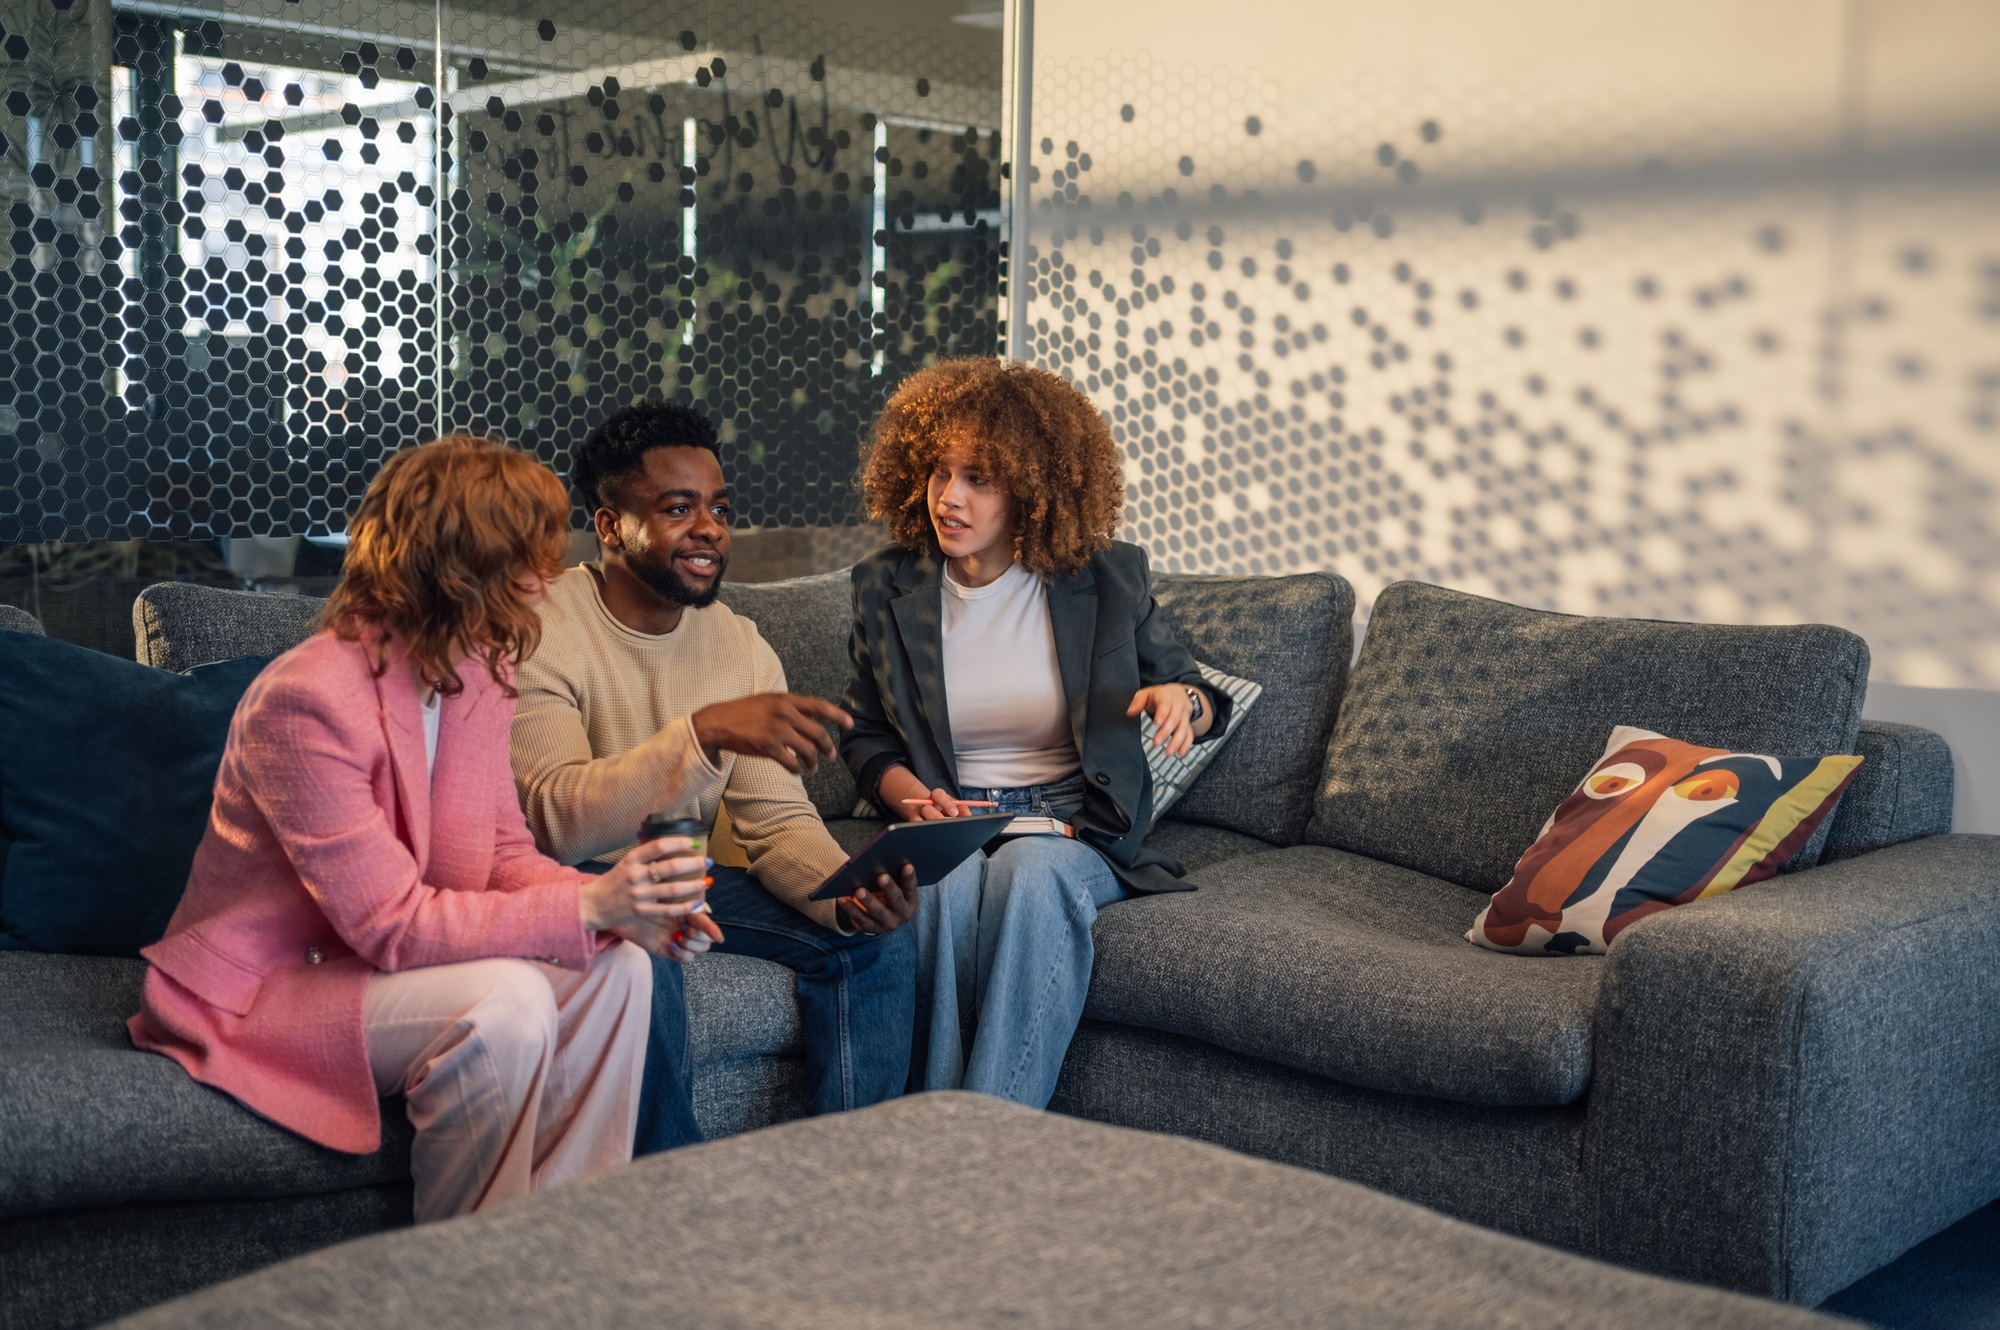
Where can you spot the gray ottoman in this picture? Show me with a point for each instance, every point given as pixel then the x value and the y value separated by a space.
pixel 957 1210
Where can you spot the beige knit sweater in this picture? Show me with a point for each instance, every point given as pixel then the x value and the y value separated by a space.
pixel 604 734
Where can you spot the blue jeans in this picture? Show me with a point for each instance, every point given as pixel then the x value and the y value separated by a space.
pixel 1004 955
pixel 857 999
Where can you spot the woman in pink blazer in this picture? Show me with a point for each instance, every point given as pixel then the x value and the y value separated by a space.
pixel 368 915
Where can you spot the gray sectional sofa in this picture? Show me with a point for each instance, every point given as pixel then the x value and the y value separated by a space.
pixel 1774 1091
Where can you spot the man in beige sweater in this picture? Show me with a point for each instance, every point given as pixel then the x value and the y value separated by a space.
pixel 646 696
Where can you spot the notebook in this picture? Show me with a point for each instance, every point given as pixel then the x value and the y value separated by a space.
pixel 1038 826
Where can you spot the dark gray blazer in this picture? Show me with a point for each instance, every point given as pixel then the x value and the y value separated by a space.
pixel 1111 640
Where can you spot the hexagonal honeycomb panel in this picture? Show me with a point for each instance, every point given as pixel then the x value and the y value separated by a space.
pixel 1670 342
pixel 253 252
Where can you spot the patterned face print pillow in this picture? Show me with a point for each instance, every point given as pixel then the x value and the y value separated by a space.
pixel 1657 823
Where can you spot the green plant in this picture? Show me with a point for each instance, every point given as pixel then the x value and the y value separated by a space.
pixel 55 83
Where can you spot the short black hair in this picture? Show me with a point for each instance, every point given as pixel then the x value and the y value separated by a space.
pixel 618 447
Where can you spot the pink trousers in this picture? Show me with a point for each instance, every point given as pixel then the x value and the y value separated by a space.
pixel 518 1075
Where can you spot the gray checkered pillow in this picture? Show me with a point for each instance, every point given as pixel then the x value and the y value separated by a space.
pixel 1173 775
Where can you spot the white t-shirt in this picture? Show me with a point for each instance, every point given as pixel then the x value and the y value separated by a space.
pixel 432 710
pixel 1009 714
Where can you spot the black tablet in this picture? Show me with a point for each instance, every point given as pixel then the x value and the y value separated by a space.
pixel 935 848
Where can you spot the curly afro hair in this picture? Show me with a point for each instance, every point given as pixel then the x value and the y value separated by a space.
pixel 616 449
pixel 1039 439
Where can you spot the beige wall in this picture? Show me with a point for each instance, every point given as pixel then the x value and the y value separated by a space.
pixel 1688 311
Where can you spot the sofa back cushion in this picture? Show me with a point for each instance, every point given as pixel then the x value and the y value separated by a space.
pixel 807 620
pixel 106 772
pixel 1295 636
pixel 177 625
pixel 1468 719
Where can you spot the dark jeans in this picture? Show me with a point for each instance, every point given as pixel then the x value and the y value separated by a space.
pixel 857 1002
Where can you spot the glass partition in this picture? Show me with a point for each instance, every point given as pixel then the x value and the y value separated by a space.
pixel 256 245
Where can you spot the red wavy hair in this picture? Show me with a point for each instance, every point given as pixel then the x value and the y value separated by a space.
pixel 435 551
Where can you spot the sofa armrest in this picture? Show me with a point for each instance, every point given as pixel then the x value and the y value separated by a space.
pixel 1902 791
pixel 1797 1082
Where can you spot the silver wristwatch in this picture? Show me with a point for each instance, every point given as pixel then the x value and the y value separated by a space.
pixel 1194 696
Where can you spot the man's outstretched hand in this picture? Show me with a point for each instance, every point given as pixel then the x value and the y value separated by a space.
pixel 788 728
pixel 885 909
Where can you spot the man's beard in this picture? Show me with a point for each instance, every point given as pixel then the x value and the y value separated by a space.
pixel 659 574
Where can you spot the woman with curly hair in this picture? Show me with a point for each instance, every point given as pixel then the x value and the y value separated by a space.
pixel 367 914
pixel 1004 650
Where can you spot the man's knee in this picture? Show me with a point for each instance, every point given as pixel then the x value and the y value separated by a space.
pixel 895 951
pixel 874 959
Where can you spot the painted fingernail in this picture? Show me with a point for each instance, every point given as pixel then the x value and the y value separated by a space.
pixel 709 863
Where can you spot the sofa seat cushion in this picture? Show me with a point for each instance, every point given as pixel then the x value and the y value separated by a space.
pixel 740 1007
pixel 91 1121
pixel 1196 846
pixel 1351 969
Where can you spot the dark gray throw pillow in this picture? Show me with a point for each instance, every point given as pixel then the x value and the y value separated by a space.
pixel 1295 636
pixel 107 769
pixel 1468 719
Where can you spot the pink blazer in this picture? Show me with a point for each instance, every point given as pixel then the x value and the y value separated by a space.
pixel 329 856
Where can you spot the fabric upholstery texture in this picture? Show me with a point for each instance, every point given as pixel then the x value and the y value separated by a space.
pixel 807 620
pixel 739 1007
pixel 1351 969
pixel 851 833
pixel 76 1268
pixel 91 1121
pixel 1295 636
pixel 106 769
pixel 1514 1169
pixel 1197 846
pixel 744 1094
pixel 1468 719
pixel 1827 1046
pixel 19 620
pixel 1903 790
pixel 1656 823
pixel 980 1214
pixel 177 625
pixel 1173 776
